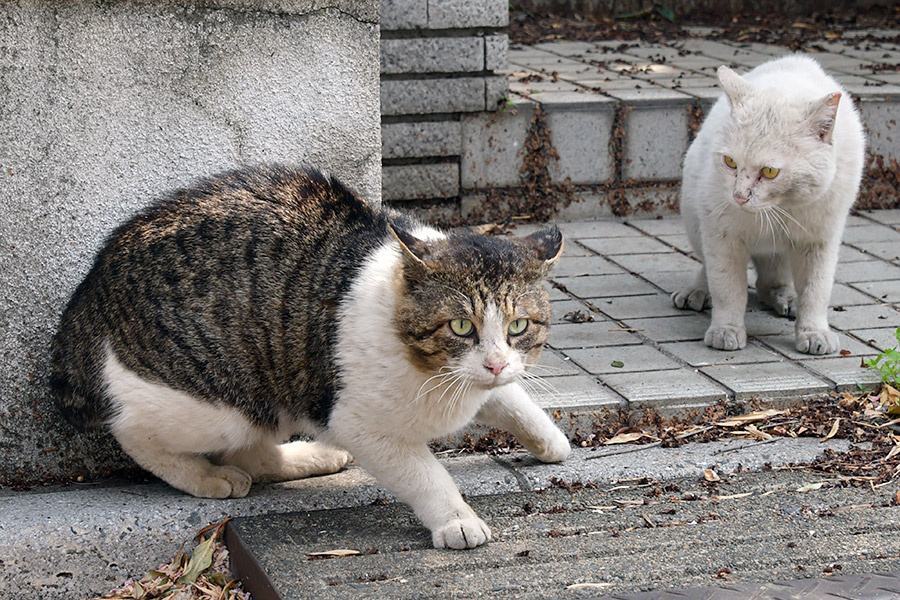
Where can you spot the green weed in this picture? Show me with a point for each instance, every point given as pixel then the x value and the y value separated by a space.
pixel 887 363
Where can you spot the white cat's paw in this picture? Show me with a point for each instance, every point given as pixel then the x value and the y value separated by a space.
pixel 823 341
pixel 552 449
pixel 222 482
pixel 459 534
pixel 691 298
pixel 726 338
pixel 783 300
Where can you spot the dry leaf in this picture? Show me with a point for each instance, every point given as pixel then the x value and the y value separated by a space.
pixel 587 586
pixel 757 434
pixel 811 486
pixel 338 553
pixel 711 475
pixel 733 496
pixel 889 395
pixel 625 438
pixel 892 453
pixel 760 415
pixel 834 429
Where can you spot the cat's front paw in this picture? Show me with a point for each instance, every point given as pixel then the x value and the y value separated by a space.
pixel 459 534
pixel 555 448
pixel 221 482
pixel 691 298
pixel 783 300
pixel 822 341
pixel 726 337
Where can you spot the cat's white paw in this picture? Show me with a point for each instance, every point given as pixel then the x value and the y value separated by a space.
pixel 553 449
pixel 823 341
pixel 783 300
pixel 691 298
pixel 222 482
pixel 459 534
pixel 726 338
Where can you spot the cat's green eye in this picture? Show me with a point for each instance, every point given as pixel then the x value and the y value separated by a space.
pixel 518 327
pixel 769 172
pixel 730 162
pixel 462 327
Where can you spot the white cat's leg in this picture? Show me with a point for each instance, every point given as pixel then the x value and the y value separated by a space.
pixel 695 296
pixel 813 267
pixel 726 271
pixel 774 284
pixel 511 409
pixel 268 461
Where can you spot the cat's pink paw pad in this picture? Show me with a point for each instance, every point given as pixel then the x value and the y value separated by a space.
pixel 818 342
pixel 459 534
pixel 726 338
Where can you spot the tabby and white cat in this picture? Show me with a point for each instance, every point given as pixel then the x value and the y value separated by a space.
pixel 268 302
pixel 771 178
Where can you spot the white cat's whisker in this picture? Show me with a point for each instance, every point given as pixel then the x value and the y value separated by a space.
pixel 540 368
pixel 791 218
pixel 443 379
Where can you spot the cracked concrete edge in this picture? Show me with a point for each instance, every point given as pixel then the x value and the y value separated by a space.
pixel 366 11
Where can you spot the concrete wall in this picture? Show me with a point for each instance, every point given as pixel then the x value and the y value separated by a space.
pixel 105 104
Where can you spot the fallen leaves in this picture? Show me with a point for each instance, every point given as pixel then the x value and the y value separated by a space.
pixel 338 553
pixel 754 417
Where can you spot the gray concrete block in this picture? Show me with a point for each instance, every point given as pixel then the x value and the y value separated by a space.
pixel 885 217
pixel 880 117
pixel 433 95
pixel 698 354
pixel 590 335
pixel 886 291
pixel 845 372
pixel 659 227
pixel 883 338
pixel 579 266
pixel 642 263
pixel 870 232
pixel 432 55
pixel 864 317
pixel 493 146
pixel 496 93
pixel 107 105
pixel 844 295
pixel 767 381
pixel 689 326
pixel 575 393
pixel 496 49
pixel 586 205
pixel 631 245
pixel 555 364
pixel 419 139
pixel 637 307
pixel 656 138
pixel 886 250
pixel 667 391
pixel 604 286
pixel 581 138
pixel 560 308
pixel 451 14
pixel 404 14
pixel 631 359
pixel 597 229
pixel 420 182
pixel 784 344
pixel 866 271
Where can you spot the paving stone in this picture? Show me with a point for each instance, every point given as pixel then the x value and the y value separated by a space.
pixel 529 88
pixel 883 338
pixel 589 335
pixel 881 116
pixel 784 344
pixel 671 390
pixel 645 263
pixel 419 139
pixel 404 14
pixel 631 245
pixel 886 217
pixel 688 326
pixel 698 354
pixel 496 93
pixel 496 48
pixel 888 291
pixel 669 281
pixel 581 139
pixel 866 271
pixel 554 293
pixel 844 295
pixel 767 381
pixel 555 364
pixel 870 233
pixel 864 317
pixel 492 146
pixel 635 358
pixel 637 307
pixel 580 99
pixel 849 254
pixel 594 229
pixel 845 372
pixel 407 182
pixel 560 308
pixel 433 95
pixel 568 47
pixel 659 227
pixel 887 250
pixel 766 322
pixel 577 266
pixel 680 242
pixel 576 392
pixel 454 14
pixel 604 286
pixel 724 52
pixel 432 55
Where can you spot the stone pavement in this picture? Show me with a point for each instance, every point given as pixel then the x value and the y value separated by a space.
pixel 640 351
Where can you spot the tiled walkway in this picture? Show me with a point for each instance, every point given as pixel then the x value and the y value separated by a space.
pixel 638 349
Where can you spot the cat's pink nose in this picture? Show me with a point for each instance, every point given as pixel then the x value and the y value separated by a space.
pixel 495 367
pixel 741 199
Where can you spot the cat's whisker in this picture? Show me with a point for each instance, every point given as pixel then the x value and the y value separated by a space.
pixel 538 381
pixel 791 218
pixel 541 368
pixel 776 216
pixel 443 379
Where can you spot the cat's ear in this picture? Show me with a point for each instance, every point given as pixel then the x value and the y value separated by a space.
pixel 548 243
pixel 735 87
pixel 822 115
pixel 412 247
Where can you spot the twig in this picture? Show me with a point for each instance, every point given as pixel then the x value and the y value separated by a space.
pixel 628 451
pixel 717 452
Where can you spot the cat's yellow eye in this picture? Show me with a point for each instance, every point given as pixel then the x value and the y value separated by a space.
pixel 730 162
pixel 462 327
pixel 769 172
pixel 518 327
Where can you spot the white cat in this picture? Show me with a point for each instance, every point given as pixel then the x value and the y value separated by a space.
pixel 771 178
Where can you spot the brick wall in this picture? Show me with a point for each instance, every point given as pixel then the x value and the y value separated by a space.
pixel 440 60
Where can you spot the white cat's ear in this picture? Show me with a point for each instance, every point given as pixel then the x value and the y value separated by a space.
pixel 822 116
pixel 735 87
pixel 413 248
pixel 549 244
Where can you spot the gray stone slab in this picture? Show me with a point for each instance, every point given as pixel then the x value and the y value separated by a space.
pixel 849 254
pixel 698 354
pixel 432 55
pixel 885 217
pixel 767 380
pixel 660 227
pixel 603 286
pixel 594 229
pixel 560 308
pixel 555 364
pixel 637 307
pixel 581 139
pixel 493 146
pixel 588 335
pixel 420 139
pixel 864 317
pixel 655 141
pixel 578 100
pixel 688 326
pixel 554 293
pixel 881 116
pixel 670 390
pixel 404 14
pixel 531 88
pixel 432 95
pixel 496 93
pixel 844 295
pixel 631 245
pixel 866 271
pixel 886 250
pixel 650 97
pixel 767 322
pixel 633 359
pixel 646 263
pixel 886 291
pixel 870 232
pixel 577 266
pixel 679 242
pixel 883 338
pixel 496 49
pixel 669 281
pixel 846 373
pixel 454 14
pixel 784 344
pixel 408 182
pixel 575 393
